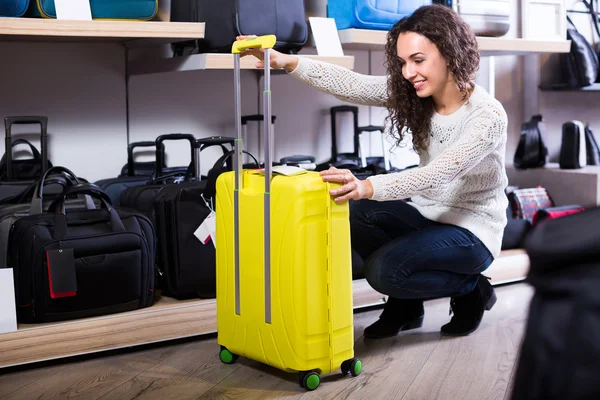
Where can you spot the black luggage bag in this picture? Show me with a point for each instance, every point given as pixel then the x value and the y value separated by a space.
pixel 560 352
pixel 135 173
pixel 141 197
pixel 284 18
pixel 84 263
pixel 187 267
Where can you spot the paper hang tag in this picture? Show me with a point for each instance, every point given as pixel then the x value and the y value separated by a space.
pixel 73 10
pixel 286 170
pixel 207 230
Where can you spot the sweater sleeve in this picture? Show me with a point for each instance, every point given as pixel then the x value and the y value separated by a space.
pixel 481 136
pixel 341 82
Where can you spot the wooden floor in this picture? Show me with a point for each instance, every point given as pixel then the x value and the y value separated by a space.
pixel 417 364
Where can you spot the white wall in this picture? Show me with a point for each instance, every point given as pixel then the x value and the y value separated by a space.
pixel 80 87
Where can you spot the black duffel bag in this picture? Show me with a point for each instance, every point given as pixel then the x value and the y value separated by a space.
pixel 560 354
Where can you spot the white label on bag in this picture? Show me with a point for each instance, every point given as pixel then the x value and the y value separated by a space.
pixel 207 230
pixel 73 10
pixel 326 37
pixel 8 309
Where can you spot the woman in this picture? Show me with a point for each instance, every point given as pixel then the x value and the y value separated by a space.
pixel 430 231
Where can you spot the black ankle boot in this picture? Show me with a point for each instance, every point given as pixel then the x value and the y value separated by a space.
pixel 468 309
pixel 398 315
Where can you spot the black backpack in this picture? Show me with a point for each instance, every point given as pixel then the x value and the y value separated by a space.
pixel 560 352
pixel 531 151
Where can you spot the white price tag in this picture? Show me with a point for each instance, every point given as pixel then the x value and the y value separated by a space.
pixel 326 37
pixel 73 10
pixel 207 230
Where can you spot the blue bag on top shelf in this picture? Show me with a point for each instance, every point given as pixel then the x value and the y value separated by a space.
pixel 371 14
pixel 13 8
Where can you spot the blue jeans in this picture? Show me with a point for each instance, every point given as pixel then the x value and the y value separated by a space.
pixel 408 256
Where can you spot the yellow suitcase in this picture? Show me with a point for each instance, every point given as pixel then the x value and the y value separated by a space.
pixel 293 312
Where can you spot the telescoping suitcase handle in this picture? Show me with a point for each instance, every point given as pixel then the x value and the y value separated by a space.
pixel 8 123
pixel 265 42
pixel 130 148
pixel 160 148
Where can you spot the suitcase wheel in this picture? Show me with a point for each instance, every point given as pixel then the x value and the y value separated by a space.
pixel 226 356
pixel 353 366
pixel 310 380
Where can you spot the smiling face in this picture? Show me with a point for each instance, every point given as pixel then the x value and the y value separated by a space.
pixel 422 64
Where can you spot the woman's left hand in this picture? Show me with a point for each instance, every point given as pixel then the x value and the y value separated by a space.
pixel 353 188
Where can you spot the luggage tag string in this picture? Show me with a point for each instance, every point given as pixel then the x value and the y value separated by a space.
pixel 209 206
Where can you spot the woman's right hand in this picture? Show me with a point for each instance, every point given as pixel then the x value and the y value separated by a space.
pixel 278 60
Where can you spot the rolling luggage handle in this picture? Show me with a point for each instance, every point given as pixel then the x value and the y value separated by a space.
pixel 130 162
pixel 265 42
pixel 8 123
pixel 255 118
pixel 334 149
pixel 160 148
pixel 375 128
pixel 203 143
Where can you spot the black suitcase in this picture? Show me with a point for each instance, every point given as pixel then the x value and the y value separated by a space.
pixel 560 353
pixel 18 175
pixel 84 263
pixel 136 173
pixel 284 18
pixel 187 267
pixel 141 197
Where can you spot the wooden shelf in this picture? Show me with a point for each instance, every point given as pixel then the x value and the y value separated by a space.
pixel 170 319
pixel 566 186
pixel 130 32
pixel 214 61
pixel 363 39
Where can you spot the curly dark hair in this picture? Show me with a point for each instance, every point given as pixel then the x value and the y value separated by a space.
pixel 458 46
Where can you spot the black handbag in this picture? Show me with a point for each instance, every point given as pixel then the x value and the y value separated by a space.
pixel 573 154
pixel 580 65
pixel 531 151
pixel 592 149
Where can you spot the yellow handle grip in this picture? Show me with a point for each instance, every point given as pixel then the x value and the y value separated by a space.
pixel 264 42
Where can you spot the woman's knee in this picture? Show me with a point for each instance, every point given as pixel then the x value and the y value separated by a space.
pixel 377 273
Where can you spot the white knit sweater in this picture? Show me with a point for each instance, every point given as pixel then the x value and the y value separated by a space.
pixel 461 177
